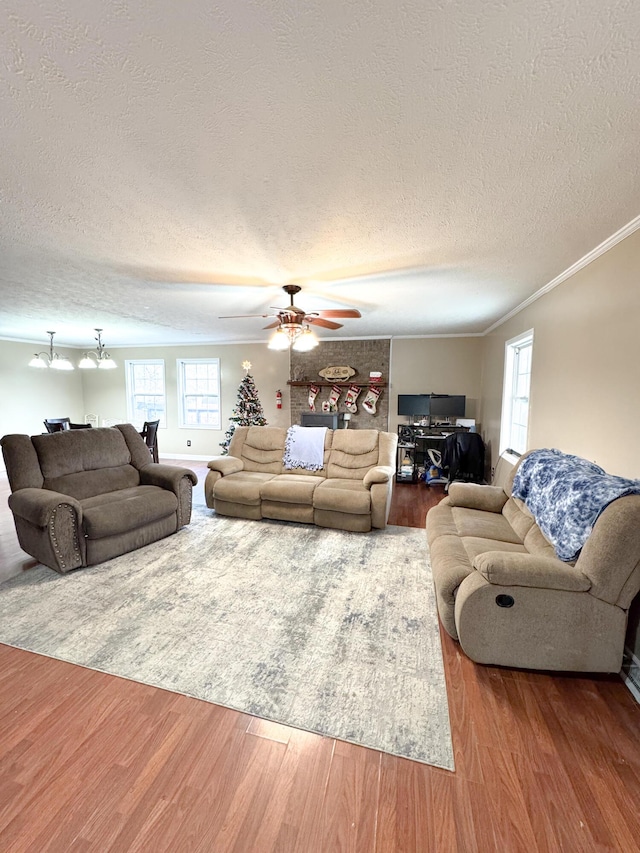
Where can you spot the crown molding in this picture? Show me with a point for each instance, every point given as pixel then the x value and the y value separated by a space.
pixel 584 261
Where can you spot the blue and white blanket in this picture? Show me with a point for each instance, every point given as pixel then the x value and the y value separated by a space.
pixel 304 448
pixel 566 494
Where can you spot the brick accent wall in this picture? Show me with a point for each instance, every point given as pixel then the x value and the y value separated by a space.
pixel 362 356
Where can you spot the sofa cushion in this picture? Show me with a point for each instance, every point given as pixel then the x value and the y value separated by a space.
pixel 476 545
pixel 441 522
pixel 118 512
pixel 84 463
pixel 488 525
pixel 243 487
pixel 475 496
pixel 349 496
pixel 71 451
pixel 291 488
pixel 87 484
pixel 518 516
pixel 353 452
pixel 262 449
pixel 537 543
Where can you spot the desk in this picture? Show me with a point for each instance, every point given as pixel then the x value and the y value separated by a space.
pixel 414 442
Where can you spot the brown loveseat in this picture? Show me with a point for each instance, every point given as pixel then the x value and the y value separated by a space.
pixel 502 592
pixel 81 497
pixel 351 492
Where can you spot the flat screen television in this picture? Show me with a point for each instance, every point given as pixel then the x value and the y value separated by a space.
pixel 413 404
pixel 448 405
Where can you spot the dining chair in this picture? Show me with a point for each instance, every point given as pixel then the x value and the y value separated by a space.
pixel 150 434
pixel 56 424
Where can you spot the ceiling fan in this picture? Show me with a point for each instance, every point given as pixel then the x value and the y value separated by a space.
pixel 292 323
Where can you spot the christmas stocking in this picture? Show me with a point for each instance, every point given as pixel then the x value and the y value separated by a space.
pixel 350 400
pixel 334 396
pixel 313 393
pixel 369 402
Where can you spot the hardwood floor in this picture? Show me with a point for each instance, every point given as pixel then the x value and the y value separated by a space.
pixel 90 762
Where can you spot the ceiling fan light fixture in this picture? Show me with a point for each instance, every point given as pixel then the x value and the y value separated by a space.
pixel 306 341
pixel 280 340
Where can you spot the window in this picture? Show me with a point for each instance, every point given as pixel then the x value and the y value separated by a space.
pixel 199 392
pixel 146 399
pixel 515 396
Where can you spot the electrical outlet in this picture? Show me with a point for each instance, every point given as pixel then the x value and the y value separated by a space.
pixel 188 442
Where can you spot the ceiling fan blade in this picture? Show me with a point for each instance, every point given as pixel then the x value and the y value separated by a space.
pixel 242 316
pixel 326 324
pixel 341 312
pixel 272 325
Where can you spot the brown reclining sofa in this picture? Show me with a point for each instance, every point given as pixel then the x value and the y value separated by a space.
pixel 83 496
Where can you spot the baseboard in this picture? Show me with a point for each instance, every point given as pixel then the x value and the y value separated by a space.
pixel 630 672
pixel 186 456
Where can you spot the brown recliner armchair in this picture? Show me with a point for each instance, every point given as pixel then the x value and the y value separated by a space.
pixel 80 497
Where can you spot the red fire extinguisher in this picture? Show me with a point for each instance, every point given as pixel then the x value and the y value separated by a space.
pixel 278 399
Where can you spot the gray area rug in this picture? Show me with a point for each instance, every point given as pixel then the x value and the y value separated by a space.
pixel 329 631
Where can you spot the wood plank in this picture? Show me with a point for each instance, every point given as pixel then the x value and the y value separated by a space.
pixel 351 802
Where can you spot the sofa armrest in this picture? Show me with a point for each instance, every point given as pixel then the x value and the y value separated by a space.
pixel 166 476
pixel 226 464
pixel 37 505
pixel 379 474
pixel 475 496
pixel 49 527
pixel 513 569
pixel 174 479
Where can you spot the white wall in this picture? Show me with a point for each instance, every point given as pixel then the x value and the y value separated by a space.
pixel 585 367
pixel 28 395
pixel 435 366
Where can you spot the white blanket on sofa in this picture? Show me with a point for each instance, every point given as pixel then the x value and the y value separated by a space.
pixel 304 448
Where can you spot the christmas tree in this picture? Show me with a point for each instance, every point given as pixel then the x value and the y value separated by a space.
pixel 247 410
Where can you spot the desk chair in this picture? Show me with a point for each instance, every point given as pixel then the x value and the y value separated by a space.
pixel 463 456
pixel 150 435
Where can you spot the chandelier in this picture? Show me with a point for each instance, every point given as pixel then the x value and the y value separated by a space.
pixel 295 336
pixel 51 359
pixel 100 358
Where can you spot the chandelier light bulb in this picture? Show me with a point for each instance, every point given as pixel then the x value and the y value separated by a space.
pixel 51 359
pixel 99 358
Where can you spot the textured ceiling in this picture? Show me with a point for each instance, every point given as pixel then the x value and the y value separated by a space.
pixel 431 162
